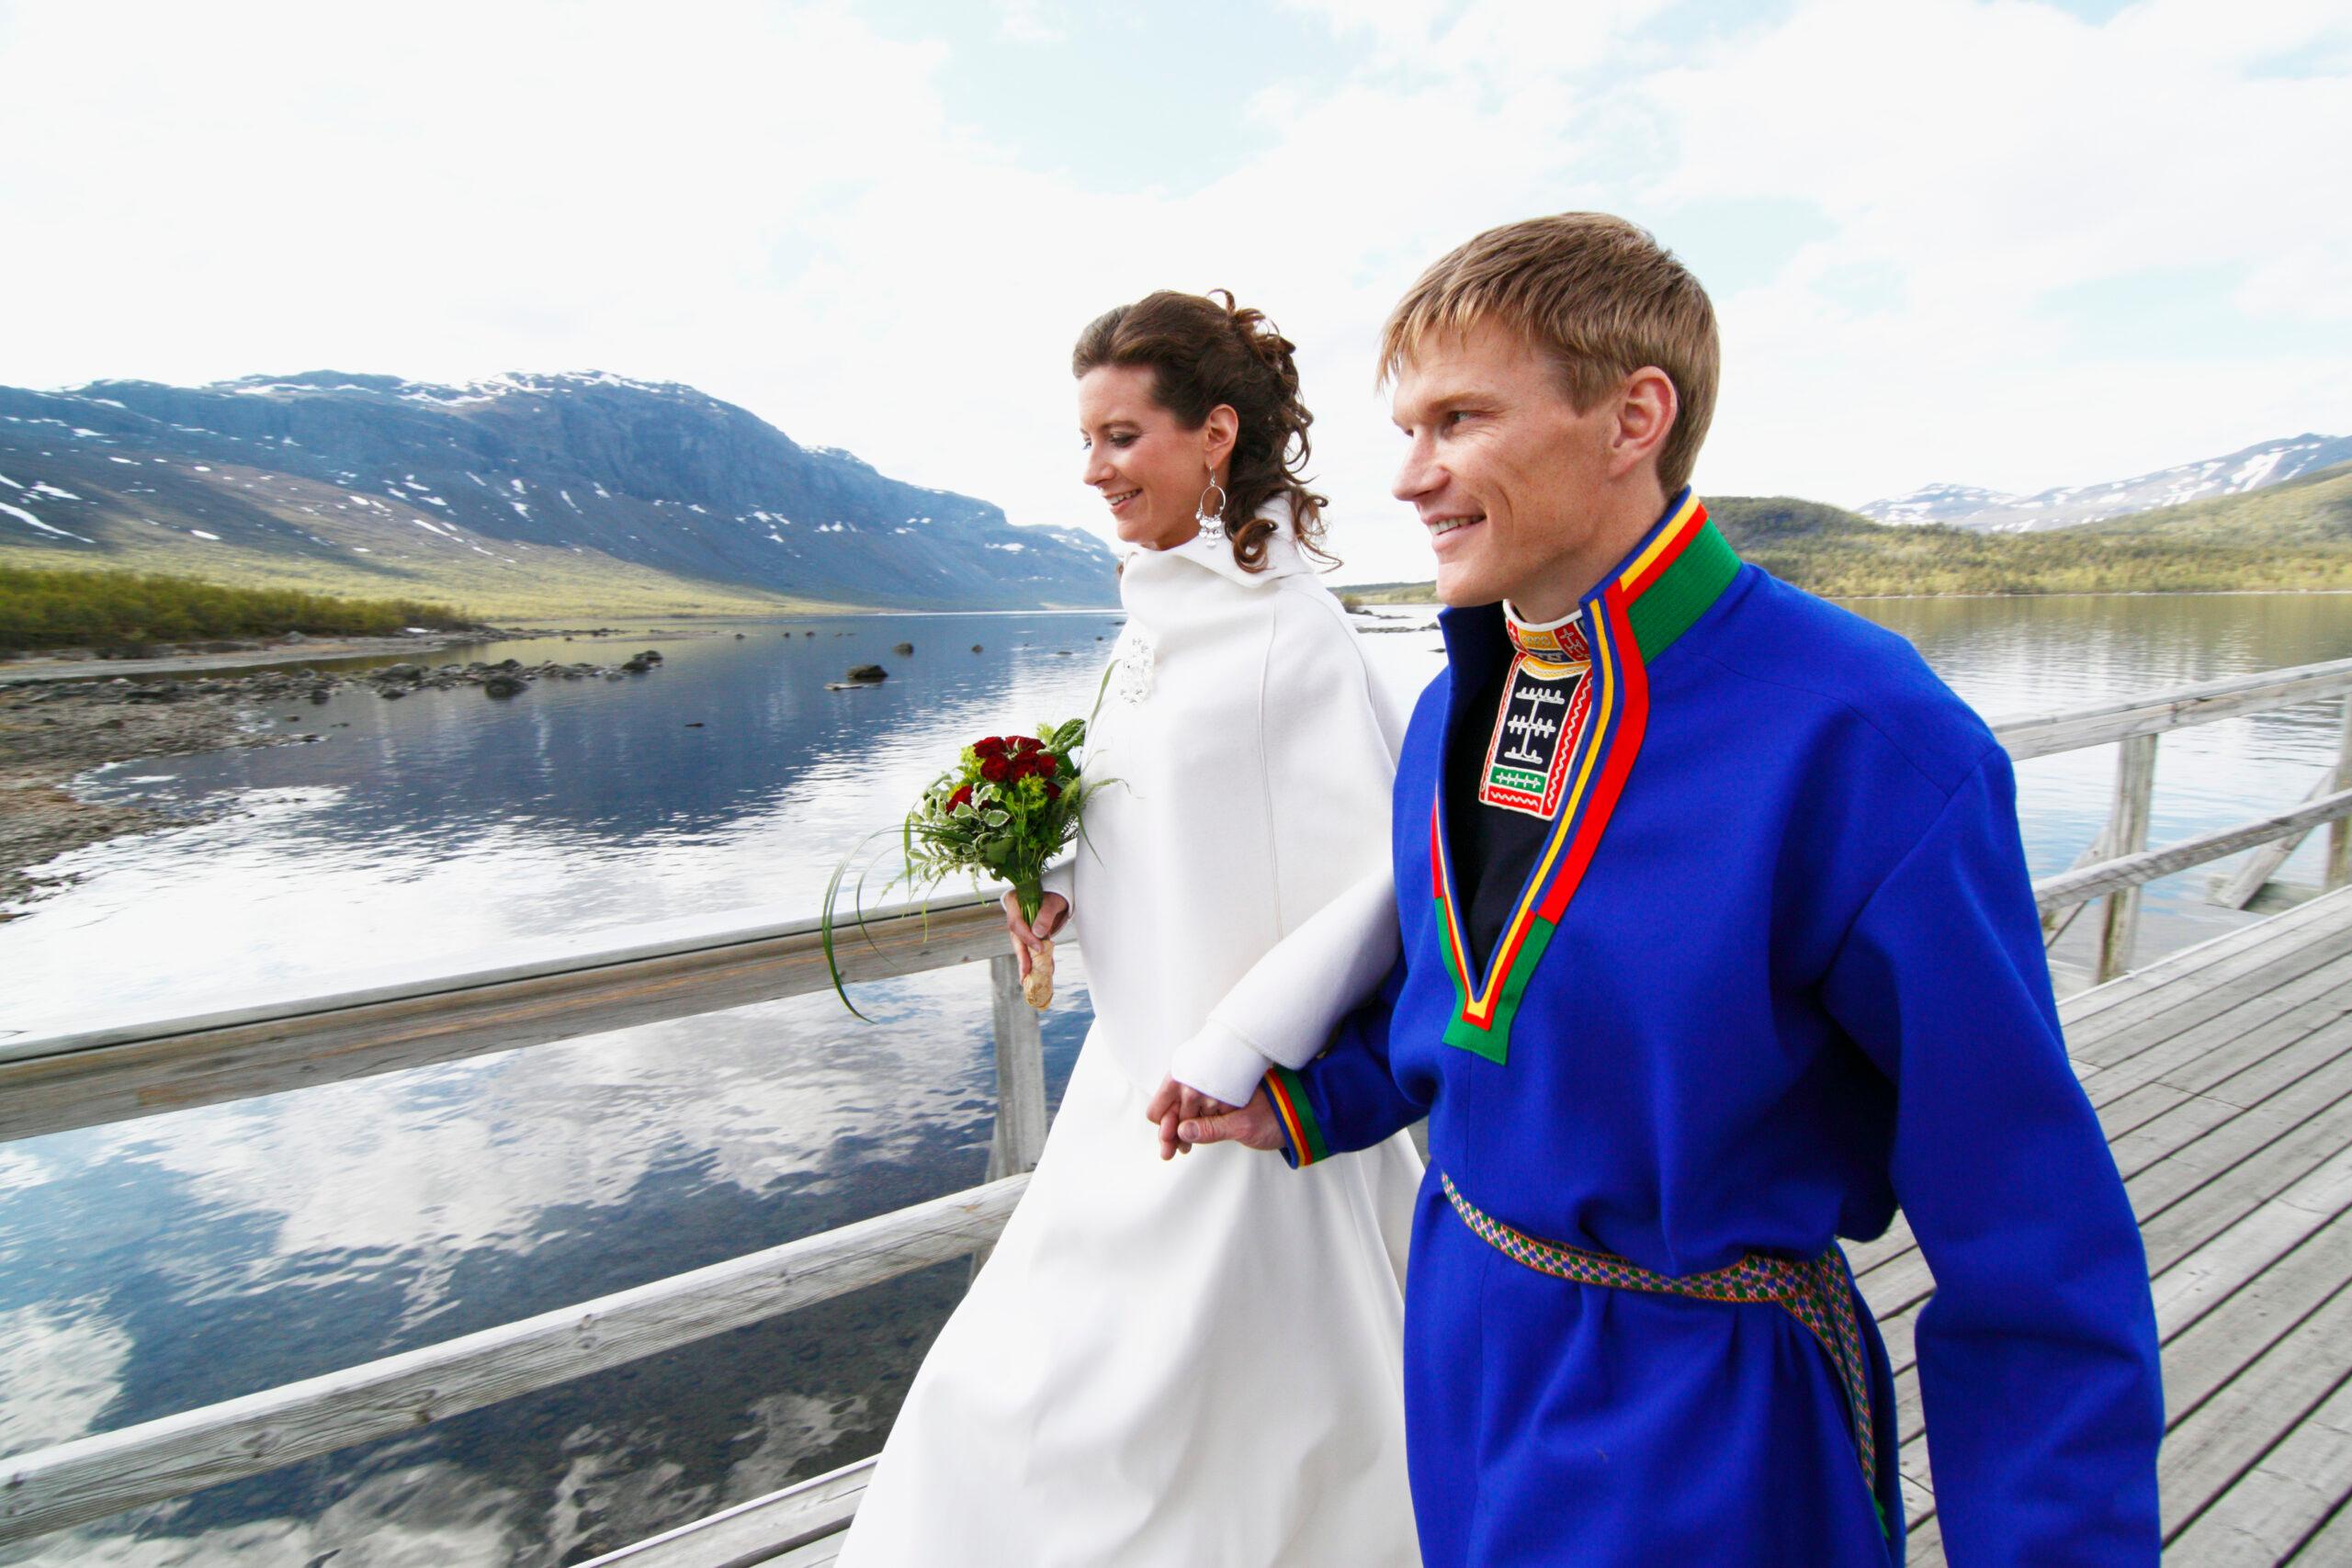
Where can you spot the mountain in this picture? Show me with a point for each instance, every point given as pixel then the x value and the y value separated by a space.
pixel 1987 510
pixel 2311 510
pixel 2285 537
pixel 1939 504
pixel 521 494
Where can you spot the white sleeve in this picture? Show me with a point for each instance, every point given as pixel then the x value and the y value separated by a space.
pixel 1330 767
pixel 1056 878
pixel 1285 1008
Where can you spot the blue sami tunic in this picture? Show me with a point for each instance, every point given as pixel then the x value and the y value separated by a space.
pixel 1778 968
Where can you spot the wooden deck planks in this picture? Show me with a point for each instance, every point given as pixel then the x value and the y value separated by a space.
pixel 2186 1169
pixel 2218 1170
pixel 2271 1510
pixel 2154 1104
pixel 800 1524
pixel 2330 1545
pixel 2223 1079
pixel 2222 1076
pixel 2226 977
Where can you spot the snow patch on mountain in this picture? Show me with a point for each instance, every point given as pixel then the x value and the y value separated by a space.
pixel 2234 473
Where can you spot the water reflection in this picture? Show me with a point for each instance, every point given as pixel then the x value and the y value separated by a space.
pixel 161 1264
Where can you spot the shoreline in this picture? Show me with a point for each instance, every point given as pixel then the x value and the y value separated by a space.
pixel 56 726
pixel 38 669
pixel 47 741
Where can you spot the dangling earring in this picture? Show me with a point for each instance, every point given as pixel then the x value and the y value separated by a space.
pixel 1211 518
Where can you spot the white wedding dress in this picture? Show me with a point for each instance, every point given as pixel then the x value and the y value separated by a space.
pixel 1194 1364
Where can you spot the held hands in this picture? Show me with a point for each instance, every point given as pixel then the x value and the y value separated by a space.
pixel 1186 1117
pixel 1052 910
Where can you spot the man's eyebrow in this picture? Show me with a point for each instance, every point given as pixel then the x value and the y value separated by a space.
pixel 1444 402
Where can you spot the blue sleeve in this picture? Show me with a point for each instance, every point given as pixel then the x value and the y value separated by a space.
pixel 2036 1356
pixel 1346 1099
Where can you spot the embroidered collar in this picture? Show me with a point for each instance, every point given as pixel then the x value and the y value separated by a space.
pixel 1671 578
pixel 1560 642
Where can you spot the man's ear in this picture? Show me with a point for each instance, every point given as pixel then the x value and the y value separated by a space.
pixel 1218 433
pixel 1647 409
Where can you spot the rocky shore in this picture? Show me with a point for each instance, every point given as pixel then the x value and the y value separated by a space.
pixel 204 658
pixel 54 730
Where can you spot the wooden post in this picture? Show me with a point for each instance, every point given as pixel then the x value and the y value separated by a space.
pixel 2339 834
pixel 2135 778
pixel 2058 917
pixel 1020 1074
pixel 1020 1081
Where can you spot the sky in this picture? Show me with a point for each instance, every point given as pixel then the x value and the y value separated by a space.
pixel 2016 243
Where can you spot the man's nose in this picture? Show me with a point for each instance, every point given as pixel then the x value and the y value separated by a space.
pixel 1418 475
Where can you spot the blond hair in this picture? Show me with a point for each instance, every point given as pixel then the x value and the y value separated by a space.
pixel 1599 295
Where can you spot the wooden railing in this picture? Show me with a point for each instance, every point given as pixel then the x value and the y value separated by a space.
pixel 54 1082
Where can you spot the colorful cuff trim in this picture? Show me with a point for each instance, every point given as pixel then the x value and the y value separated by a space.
pixel 1301 1131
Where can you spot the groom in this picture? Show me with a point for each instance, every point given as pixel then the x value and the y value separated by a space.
pixel 1718 945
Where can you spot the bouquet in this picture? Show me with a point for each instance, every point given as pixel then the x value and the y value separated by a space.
pixel 1008 806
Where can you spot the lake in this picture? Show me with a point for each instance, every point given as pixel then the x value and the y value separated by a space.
pixel 165 1263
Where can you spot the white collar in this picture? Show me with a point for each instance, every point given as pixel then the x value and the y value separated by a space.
pixel 1282 558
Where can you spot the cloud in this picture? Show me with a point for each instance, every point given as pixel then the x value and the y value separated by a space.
pixel 58 1373
pixel 775 204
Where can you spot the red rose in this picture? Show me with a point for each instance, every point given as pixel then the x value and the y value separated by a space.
pixel 991 747
pixel 1053 790
pixel 961 798
pixel 996 769
pixel 1026 743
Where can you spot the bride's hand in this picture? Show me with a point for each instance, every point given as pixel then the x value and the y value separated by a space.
pixel 1175 1103
pixel 1028 938
pixel 1254 1126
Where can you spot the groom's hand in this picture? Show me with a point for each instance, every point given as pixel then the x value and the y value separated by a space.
pixel 1254 1126
pixel 1052 910
pixel 1173 1104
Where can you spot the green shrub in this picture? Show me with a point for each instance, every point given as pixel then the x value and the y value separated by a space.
pixel 42 608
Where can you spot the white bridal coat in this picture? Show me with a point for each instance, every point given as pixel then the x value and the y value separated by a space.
pixel 1193 1362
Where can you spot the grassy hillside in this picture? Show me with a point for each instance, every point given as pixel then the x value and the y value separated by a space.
pixel 332 541
pixel 542 585
pixel 2313 511
pixel 2294 537
pixel 105 609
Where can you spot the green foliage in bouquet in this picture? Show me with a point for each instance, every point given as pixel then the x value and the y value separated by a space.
pixel 1011 803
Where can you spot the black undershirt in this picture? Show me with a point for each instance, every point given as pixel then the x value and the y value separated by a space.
pixel 1490 849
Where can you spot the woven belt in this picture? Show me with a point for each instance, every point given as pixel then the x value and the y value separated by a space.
pixel 1816 1292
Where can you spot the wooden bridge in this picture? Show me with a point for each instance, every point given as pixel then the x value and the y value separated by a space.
pixel 2223 1075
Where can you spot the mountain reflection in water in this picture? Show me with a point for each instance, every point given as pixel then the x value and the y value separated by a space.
pixel 159 1264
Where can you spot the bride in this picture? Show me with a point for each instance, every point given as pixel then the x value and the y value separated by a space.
pixel 1195 1362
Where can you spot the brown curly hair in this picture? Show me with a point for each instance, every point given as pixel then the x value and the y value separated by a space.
pixel 1204 351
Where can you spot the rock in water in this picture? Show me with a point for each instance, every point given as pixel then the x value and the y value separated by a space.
pixel 903 647
pixel 502 686
pixel 867 672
